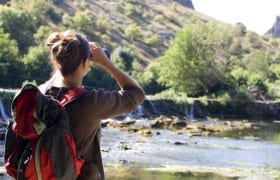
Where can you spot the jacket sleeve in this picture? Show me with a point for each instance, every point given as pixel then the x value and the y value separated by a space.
pixel 106 104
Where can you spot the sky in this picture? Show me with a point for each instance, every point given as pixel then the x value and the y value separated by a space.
pixel 257 15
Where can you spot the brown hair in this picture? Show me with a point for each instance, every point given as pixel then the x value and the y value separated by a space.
pixel 67 50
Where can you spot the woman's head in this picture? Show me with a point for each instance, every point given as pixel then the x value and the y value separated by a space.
pixel 68 50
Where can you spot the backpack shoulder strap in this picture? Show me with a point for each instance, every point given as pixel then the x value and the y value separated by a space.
pixel 71 95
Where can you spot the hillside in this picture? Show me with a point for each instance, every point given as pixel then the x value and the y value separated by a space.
pixel 141 30
pixel 161 17
pixel 157 22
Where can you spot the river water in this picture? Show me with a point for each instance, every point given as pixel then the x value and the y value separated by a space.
pixel 168 155
pixel 254 154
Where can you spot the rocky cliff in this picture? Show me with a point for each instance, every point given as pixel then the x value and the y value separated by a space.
pixel 3 1
pixel 187 3
pixel 275 30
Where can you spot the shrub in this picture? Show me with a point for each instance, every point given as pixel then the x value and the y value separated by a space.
pixel 130 10
pixel 54 16
pixel 133 32
pixel 42 34
pixel 154 40
pixel 81 21
pixel 103 25
pixel 123 57
pixel 37 64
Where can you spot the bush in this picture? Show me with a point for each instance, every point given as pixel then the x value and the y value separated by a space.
pixel 20 24
pixel 154 40
pixel 99 78
pixel 254 40
pixel 81 21
pixel 54 16
pixel 132 32
pixel 123 57
pixel 103 25
pixel 130 9
pixel 148 80
pixel 41 35
pixel 11 69
pixel 37 64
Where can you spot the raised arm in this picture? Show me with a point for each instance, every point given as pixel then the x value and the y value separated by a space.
pixel 123 80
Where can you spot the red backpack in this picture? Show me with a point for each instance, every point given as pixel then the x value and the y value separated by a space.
pixel 38 142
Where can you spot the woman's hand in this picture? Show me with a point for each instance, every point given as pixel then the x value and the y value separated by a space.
pixel 97 54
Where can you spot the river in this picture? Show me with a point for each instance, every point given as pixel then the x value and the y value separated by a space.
pixel 254 154
pixel 169 155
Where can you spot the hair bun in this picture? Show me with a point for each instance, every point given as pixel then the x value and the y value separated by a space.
pixel 65 49
pixel 53 38
pixel 68 49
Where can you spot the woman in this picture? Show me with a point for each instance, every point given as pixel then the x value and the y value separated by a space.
pixel 71 55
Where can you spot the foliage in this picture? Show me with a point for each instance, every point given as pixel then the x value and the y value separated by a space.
pixel 276 70
pixel 41 35
pixel 188 65
pixel 203 59
pixel 54 16
pixel 254 40
pixel 38 9
pixel 19 23
pixel 123 57
pixel 154 40
pixel 81 21
pixel 242 28
pixel 98 78
pixel 103 25
pixel 133 32
pixel 258 63
pixel 148 80
pixel 130 9
pixel 37 64
pixel 10 72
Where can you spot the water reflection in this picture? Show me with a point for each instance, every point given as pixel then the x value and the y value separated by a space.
pixel 267 131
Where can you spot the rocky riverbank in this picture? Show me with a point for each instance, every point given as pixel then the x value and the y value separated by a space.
pixel 209 127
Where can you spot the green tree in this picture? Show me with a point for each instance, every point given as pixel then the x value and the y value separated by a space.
pixel 148 80
pixel 258 62
pixel 41 35
pixel 81 21
pixel 99 78
pixel 123 57
pixel 189 64
pixel 37 8
pixel 37 64
pixel 11 71
pixel 20 24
